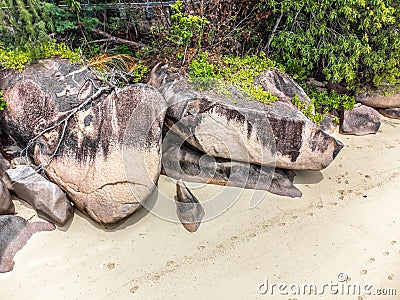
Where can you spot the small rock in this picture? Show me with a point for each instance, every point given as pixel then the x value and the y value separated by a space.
pixel 393 113
pixel 328 125
pixel 282 86
pixel 14 233
pixel 4 165
pixel 361 120
pixel 188 208
pixel 45 197
pixel 6 205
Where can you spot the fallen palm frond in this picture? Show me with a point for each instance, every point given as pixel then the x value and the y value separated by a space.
pixel 121 62
pixel 118 69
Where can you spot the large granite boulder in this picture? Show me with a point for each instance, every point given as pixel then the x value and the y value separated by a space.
pixel 45 197
pixel 250 131
pixel 106 161
pixel 14 233
pixel 361 120
pixel 183 162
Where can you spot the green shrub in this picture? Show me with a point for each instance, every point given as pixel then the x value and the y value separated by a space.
pixel 17 59
pixel 322 103
pixel 351 42
pixel 3 104
pixel 239 72
pixel 184 27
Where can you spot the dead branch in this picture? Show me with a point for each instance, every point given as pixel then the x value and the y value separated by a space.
pixel 64 121
pixel 118 40
pixel 266 48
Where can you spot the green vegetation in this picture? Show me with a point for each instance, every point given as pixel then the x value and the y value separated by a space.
pixel 16 59
pixel 239 72
pixel 184 28
pixel 353 43
pixel 119 69
pixel 3 104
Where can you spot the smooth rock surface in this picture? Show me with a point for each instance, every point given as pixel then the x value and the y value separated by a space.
pixel 393 113
pixel 276 134
pixel 282 86
pixel 361 120
pixel 14 233
pixel 4 165
pixel 328 125
pixel 6 205
pixel 45 197
pixel 107 162
pixel 188 208
pixel 182 162
pixel 377 99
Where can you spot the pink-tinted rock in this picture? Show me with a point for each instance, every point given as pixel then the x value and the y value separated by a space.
pixel 188 208
pixel 393 113
pixel 328 124
pixel 282 86
pixel 45 197
pixel 182 162
pixel 106 161
pixel 14 233
pixel 378 99
pixel 361 120
pixel 241 130
pixel 6 205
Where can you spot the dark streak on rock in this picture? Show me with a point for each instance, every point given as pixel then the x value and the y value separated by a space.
pixel 288 136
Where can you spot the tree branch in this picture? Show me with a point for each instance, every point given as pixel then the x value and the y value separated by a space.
pixel 118 40
pixel 266 48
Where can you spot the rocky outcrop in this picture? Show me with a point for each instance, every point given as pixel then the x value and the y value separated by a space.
pixel 45 197
pixel 282 86
pixel 6 205
pixel 276 134
pixel 188 208
pixel 14 233
pixel 361 120
pixel 182 162
pixel 393 113
pixel 377 99
pixel 106 161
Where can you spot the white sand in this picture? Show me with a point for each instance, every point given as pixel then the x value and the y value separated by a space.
pixel 331 229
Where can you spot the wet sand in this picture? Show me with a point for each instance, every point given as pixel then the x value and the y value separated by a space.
pixel 348 221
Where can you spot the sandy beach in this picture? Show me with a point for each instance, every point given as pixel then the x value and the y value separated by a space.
pixel 348 221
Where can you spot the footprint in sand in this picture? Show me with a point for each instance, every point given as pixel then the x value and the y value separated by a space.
pixel 134 289
pixel 393 243
pixel 170 263
pixel 391 277
pixel 363 272
pixel 386 253
pixel 371 260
